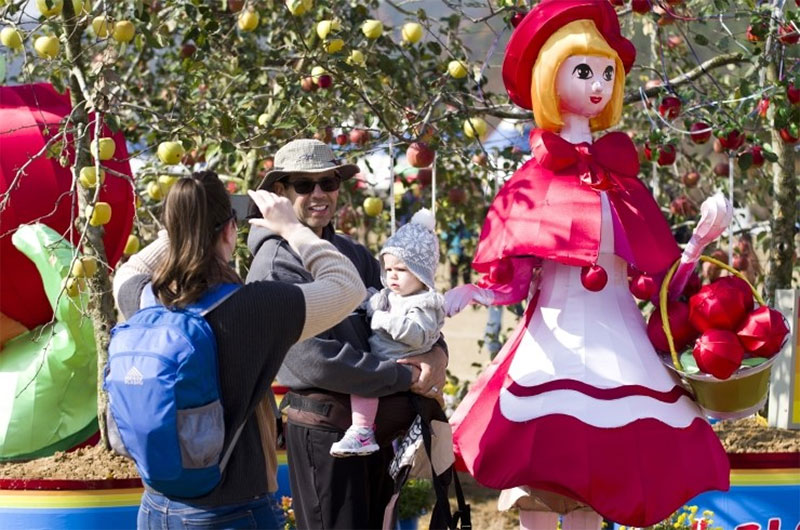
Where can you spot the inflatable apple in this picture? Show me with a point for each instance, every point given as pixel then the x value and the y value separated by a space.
pixel 30 116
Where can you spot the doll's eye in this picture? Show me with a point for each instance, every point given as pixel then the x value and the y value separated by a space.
pixel 584 71
pixel 608 73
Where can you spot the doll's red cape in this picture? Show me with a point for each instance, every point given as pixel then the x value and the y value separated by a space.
pixel 550 208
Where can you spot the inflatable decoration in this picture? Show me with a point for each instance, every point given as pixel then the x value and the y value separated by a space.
pixel 47 351
pixel 577 416
pixel 48 375
pixel 30 116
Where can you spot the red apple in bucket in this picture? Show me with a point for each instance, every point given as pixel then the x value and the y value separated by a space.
pixel 718 352
pixel 682 331
pixel 763 332
pixel 722 304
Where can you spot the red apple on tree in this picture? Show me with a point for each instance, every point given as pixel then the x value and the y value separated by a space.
pixel 457 196
pixel 666 155
pixel 640 6
pixel 517 17
pixel 793 94
pixel 425 176
pixel 763 106
pixel 731 140
pixel 700 132
pixel 324 81
pixel 342 139
pixel 756 155
pixel 787 136
pixel 721 169
pixel 359 136
pixel 307 84
pixel 670 107
pixel 788 35
pixel 419 154
pixel 691 179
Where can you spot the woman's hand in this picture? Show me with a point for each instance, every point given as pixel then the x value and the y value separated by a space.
pixel 458 298
pixel 278 215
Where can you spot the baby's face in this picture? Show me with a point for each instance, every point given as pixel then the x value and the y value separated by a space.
pixel 399 279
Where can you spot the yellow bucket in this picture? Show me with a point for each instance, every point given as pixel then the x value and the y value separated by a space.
pixel 739 396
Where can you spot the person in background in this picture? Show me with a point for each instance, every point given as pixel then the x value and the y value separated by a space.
pixel 254 328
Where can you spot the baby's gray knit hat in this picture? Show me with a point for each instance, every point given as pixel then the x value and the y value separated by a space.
pixel 417 245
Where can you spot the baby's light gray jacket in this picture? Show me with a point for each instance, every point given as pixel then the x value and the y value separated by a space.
pixel 407 325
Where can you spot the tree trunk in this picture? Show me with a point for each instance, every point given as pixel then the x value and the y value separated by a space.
pixel 784 188
pixel 101 302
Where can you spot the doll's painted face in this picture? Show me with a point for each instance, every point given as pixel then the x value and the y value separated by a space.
pixel 584 84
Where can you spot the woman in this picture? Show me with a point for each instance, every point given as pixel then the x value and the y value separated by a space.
pixel 577 415
pixel 253 328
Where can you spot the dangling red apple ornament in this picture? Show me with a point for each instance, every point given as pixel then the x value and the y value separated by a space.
pixel 763 331
pixel 722 304
pixel 682 331
pixel 594 277
pixel 718 352
pixel 643 287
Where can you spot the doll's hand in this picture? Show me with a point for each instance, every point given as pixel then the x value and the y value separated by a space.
pixel 715 216
pixel 458 298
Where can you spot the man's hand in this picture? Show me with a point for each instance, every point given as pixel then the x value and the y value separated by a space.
pixel 433 372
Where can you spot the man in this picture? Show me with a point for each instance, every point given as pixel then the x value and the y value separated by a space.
pixel 333 492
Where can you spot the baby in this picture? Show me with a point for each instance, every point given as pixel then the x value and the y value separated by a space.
pixel 407 317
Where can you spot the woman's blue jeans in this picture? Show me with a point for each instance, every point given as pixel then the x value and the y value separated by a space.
pixel 159 512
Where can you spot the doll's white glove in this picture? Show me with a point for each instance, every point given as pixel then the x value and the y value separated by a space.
pixel 715 216
pixel 458 298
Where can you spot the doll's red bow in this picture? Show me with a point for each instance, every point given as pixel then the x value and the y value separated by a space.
pixel 598 165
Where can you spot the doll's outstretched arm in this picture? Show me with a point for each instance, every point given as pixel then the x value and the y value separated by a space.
pixel 516 289
pixel 715 216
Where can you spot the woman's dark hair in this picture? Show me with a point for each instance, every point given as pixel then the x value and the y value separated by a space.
pixel 196 211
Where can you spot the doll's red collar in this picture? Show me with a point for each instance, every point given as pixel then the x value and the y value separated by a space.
pixel 598 164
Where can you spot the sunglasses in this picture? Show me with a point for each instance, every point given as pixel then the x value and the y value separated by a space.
pixel 306 186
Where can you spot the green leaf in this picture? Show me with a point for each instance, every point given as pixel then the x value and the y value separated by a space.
pixel 769 156
pixel 754 361
pixel 745 161
pixel 701 39
pixel 2 69
pixel 689 364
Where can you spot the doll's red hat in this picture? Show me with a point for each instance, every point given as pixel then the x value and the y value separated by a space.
pixel 544 20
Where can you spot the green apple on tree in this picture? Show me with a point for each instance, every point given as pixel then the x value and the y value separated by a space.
pixel 102 26
pixel 131 245
pixel 248 20
pixel 334 45
pixel 299 7
pixel 373 206
pixel 84 267
pixel 324 27
pixel 154 191
pixel 99 213
pixel 457 69
pixel 11 37
pixel 412 32
pixel 475 127
pixel 166 182
pixel 170 153
pixel 124 31
pixel 103 148
pixel 356 58
pixel 50 8
pixel 372 29
pixel 88 177
pixel 47 46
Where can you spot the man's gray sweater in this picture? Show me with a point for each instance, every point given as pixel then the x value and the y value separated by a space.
pixel 338 360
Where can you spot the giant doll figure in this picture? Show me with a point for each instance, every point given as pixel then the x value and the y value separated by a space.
pixel 577 415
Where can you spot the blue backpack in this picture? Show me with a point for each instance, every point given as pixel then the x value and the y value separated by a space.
pixel 163 390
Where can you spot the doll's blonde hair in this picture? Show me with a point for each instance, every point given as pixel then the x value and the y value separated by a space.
pixel 579 37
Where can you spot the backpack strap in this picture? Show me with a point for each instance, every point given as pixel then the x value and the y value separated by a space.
pixel 207 303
